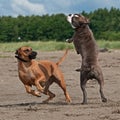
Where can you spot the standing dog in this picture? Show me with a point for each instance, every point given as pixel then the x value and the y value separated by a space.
pixel 85 45
pixel 39 73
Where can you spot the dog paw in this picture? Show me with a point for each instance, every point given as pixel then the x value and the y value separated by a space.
pixel 84 103
pixel 45 101
pixel 42 90
pixel 37 94
pixel 68 40
pixel 68 100
pixel 104 100
pixel 78 70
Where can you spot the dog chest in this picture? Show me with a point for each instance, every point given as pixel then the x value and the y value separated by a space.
pixel 28 76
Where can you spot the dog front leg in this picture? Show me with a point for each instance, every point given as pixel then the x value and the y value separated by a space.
pixel 30 91
pixel 47 92
pixel 38 86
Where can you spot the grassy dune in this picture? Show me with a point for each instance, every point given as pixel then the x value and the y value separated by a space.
pixel 109 44
pixel 53 45
pixel 36 45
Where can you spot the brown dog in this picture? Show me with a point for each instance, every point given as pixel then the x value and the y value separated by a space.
pixel 85 45
pixel 39 73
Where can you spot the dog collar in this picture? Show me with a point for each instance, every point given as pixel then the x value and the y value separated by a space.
pixel 20 59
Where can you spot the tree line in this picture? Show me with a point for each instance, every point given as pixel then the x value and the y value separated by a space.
pixel 104 23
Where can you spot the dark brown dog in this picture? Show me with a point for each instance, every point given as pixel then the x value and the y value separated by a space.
pixel 85 45
pixel 39 73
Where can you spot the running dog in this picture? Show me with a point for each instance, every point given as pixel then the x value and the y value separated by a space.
pixel 39 73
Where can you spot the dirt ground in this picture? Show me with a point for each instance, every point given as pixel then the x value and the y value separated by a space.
pixel 16 104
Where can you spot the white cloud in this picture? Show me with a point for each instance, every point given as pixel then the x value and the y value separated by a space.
pixel 25 7
pixel 40 7
pixel 114 3
pixel 62 3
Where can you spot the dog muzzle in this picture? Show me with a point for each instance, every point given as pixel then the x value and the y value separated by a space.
pixel 69 19
pixel 33 55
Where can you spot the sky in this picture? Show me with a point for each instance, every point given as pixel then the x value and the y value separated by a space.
pixel 41 7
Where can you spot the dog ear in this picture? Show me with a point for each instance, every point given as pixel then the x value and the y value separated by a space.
pixel 16 52
pixel 84 20
pixel 87 20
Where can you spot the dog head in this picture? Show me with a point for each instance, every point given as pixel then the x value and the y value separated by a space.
pixel 25 54
pixel 76 20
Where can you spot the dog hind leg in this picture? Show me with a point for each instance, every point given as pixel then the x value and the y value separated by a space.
pixel 100 79
pixel 59 79
pixel 62 84
pixel 83 81
pixel 47 91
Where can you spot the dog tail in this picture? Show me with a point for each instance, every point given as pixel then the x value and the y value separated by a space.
pixel 62 58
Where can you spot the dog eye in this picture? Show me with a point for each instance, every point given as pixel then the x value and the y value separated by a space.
pixel 27 50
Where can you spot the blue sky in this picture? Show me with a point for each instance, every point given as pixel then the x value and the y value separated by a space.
pixel 41 7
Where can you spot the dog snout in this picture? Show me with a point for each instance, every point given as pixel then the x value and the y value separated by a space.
pixel 69 18
pixel 33 55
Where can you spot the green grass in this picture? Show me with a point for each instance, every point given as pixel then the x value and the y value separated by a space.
pixel 37 45
pixel 53 45
pixel 109 44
